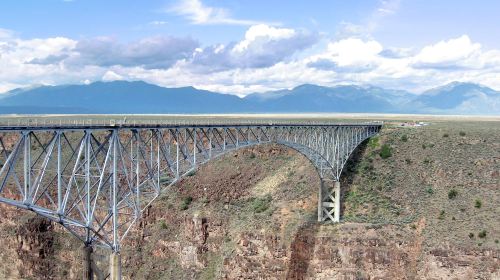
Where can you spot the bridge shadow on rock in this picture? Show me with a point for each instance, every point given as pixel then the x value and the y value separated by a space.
pixel 350 171
pixel 302 251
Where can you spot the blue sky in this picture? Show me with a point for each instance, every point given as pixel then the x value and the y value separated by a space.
pixel 240 47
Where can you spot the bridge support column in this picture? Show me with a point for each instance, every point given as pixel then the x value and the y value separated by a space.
pixel 87 262
pixel 115 266
pixel 329 201
pixel 336 190
pixel 320 201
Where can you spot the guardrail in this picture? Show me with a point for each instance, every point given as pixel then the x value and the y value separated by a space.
pixel 111 122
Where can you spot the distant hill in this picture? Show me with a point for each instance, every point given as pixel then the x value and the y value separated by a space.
pixel 120 97
pixel 313 98
pixel 143 98
pixel 460 98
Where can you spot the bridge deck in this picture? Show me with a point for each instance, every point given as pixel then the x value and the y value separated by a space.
pixel 175 125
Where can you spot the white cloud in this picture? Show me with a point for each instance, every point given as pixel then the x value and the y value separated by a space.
pixel 197 13
pixel 150 52
pixel 266 58
pixel 262 46
pixel 353 51
pixel 451 53
pixel 351 55
pixel 16 55
pixel 371 23
pixel 367 61
pixel 5 33
pixel 111 76
pixel 157 22
pixel 264 33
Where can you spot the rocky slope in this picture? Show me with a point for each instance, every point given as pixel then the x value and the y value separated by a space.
pixel 428 211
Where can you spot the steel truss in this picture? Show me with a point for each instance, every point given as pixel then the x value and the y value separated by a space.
pixel 96 181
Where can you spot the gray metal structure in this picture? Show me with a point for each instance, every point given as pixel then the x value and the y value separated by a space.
pixel 96 180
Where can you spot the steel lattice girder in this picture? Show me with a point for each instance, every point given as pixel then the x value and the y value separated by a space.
pixel 96 181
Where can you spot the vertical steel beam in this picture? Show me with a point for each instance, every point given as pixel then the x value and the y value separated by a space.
pixel 210 135
pixel 224 136
pixel 27 165
pixel 158 162
pixel 194 147
pixel 87 182
pixel 177 154
pixel 114 199
pixel 59 175
pixel 135 138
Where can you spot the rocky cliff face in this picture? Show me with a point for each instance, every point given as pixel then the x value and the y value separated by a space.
pixel 35 250
pixel 251 215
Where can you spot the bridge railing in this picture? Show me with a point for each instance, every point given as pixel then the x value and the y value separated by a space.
pixel 165 121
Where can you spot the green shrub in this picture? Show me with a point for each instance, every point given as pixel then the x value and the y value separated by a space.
pixel 191 172
pixel 429 190
pixel 452 194
pixel 408 161
pixel 462 133
pixel 385 151
pixel 252 155
pixel 163 224
pixel 423 146
pixel 427 161
pixel 186 202
pixel 441 215
pixel 496 241
pixel 482 234
pixel 373 142
pixel 404 138
pixel 478 203
pixel 445 135
pixel 471 235
pixel 261 204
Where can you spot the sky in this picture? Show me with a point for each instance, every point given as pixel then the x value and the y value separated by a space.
pixel 246 46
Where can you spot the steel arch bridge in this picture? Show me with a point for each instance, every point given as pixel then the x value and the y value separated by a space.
pixel 96 180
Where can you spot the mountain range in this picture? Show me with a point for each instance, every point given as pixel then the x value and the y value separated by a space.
pixel 123 97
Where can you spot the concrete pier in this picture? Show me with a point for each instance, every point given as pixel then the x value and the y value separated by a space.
pixel 87 262
pixel 115 266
